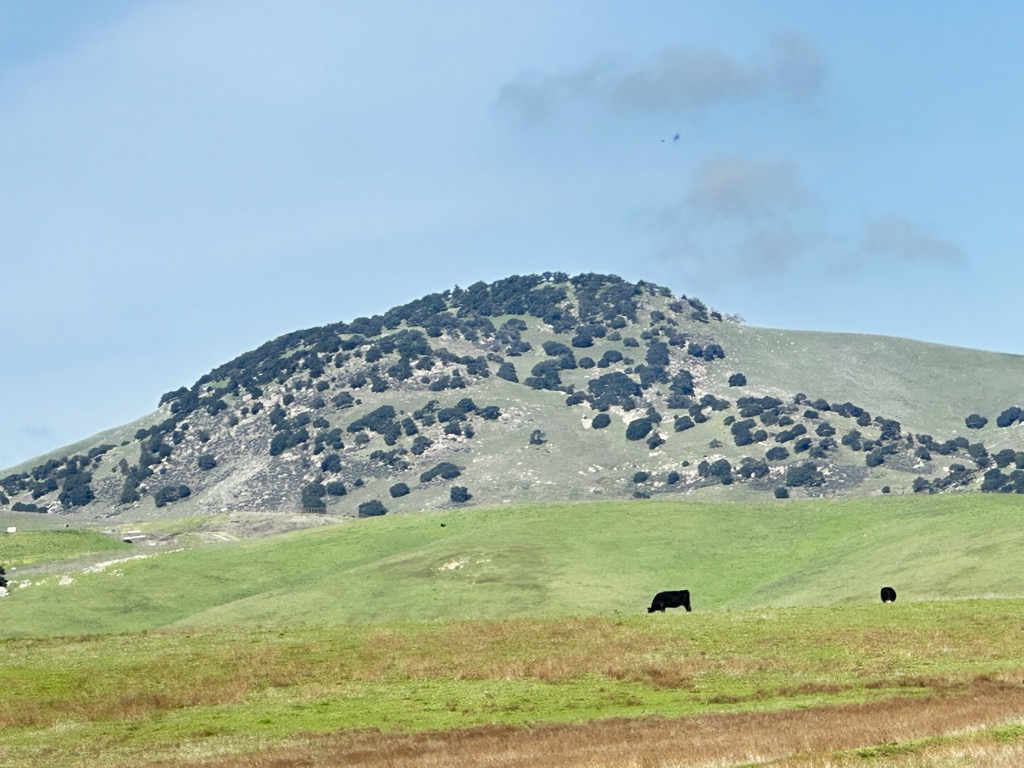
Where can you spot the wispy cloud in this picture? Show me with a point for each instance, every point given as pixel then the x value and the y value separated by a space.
pixel 799 65
pixel 894 237
pixel 680 79
pixel 534 96
pixel 771 251
pixel 688 79
pixel 733 187
pixel 745 217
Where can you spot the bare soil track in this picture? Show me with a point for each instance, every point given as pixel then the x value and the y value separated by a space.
pixel 799 737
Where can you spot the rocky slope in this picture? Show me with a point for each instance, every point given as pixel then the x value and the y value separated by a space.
pixel 538 388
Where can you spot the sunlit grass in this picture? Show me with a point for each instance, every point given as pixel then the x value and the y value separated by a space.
pixel 107 697
pixel 35 546
pixel 544 561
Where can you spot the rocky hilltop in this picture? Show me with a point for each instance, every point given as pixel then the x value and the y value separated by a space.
pixel 529 389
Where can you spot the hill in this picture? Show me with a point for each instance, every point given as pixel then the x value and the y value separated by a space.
pixel 542 389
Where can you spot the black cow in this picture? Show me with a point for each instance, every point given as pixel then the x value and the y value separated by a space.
pixel 888 595
pixel 679 598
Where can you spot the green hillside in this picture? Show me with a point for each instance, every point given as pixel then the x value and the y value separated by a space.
pixel 537 561
pixel 930 387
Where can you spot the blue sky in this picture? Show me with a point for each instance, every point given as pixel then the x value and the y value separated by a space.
pixel 182 181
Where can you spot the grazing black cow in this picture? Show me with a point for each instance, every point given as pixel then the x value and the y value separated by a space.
pixel 888 595
pixel 679 598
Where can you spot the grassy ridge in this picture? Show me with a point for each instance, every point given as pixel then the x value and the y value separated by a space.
pixel 535 561
pixel 927 387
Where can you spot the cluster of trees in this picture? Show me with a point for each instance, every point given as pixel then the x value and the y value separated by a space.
pixel 22 506
pixel 71 476
pixel 614 388
pixel 744 432
pixel 602 302
pixel 708 352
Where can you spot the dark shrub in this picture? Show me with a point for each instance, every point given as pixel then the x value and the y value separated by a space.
pixel 790 434
pixel 313 497
pixel 398 489
pixel 638 429
pixel 601 421
pixel 673 477
pixel 537 437
pixel 171 493
pixel 507 371
pixel 206 461
pixel 420 444
pixel 21 506
pixel 737 380
pixel 545 375
pixel 460 494
pixel 657 353
pixel 804 475
pixel 683 423
pixel 825 430
pixel 76 491
pixel 1009 416
pixel 1005 458
pixel 335 488
pixel 445 470
pixel 555 349
pixel 331 463
pixel 803 444
pixel 372 508
pixel 641 477
pixel 781 493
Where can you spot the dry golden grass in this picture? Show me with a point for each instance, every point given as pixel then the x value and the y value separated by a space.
pixel 802 738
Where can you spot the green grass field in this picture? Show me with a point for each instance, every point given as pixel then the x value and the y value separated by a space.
pixel 534 619
pixel 588 559
pixel 186 697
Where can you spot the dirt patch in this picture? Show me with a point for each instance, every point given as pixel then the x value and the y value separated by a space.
pixel 704 740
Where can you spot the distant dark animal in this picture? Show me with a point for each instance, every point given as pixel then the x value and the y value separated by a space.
pixel 673 599
pixel 888 595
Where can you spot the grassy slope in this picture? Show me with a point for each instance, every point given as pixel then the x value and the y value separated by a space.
pixel 33 546
pixel 927 387
pixel 548 561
